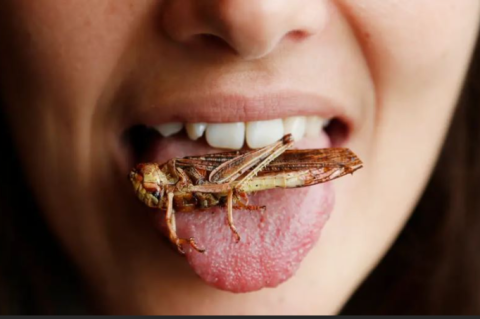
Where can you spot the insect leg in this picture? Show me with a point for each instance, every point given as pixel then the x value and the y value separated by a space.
pixel 244 197
pixel 172 229
pixel 173 221
pixel 230 216
pixel 240 205
pixel 172 168
pixel 241 202
pixel 183 179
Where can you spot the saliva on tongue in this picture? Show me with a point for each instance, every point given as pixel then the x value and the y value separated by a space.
pixel 273 242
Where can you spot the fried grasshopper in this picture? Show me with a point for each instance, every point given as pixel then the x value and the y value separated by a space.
pixel 225 179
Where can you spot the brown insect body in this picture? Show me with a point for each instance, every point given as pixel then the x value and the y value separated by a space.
pixel 225 179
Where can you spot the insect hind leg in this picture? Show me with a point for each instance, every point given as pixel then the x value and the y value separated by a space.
pixel 230 216
pixel 238 205
pixel 263 208
pixel 172 229
pixel 242 202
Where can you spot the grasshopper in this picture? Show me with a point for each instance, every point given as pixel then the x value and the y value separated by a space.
pixel 225 179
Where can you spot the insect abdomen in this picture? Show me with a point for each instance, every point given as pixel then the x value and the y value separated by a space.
pixel 292 179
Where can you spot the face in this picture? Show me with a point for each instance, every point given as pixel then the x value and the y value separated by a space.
pixel 78 75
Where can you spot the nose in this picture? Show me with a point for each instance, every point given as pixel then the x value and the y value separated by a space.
pixel 253 29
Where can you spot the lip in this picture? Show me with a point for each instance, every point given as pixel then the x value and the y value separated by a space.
pixel 236 107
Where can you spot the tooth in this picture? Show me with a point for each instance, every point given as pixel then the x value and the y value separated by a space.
pixel 226 135
pixel 263 133
pixel 168 129
pixel 296 126
pixel 195 130
pixel 314 126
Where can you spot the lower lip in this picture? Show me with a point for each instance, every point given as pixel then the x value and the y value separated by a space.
pixel 273 243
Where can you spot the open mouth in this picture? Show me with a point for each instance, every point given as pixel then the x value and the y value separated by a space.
pixel 274 241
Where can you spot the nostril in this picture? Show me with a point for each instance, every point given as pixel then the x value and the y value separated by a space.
pixel 211 41
pixel 296 35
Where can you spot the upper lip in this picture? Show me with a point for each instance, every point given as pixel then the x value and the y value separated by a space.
pixel 231 107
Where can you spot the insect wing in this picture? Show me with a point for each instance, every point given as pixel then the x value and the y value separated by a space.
pixel 290 160
pixel 303 168
pixel 208 162
pixel 227 166
pixel 295 160
pixel 232 169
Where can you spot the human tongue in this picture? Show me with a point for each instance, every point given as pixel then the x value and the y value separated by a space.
pixel 273 242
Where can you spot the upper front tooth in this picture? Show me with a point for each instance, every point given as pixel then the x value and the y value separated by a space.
pixel 168 129
pixel 263 133
pixel 195 130
pixel 314 126
pixel 295 125
pixel 226 135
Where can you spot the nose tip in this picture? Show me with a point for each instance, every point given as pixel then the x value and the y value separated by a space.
pixel 251 28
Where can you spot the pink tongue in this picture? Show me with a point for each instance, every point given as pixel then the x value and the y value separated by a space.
pixel 273 243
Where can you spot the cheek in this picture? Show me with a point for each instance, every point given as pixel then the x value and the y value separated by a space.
pixel 60 60
pixel 65 54
pixel 418 52
pixel 412 44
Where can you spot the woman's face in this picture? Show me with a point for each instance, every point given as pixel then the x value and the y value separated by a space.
pixel 77 75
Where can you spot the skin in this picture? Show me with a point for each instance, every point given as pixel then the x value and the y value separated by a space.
pixel 69 66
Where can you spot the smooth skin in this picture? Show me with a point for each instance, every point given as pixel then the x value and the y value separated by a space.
pixel 69 69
